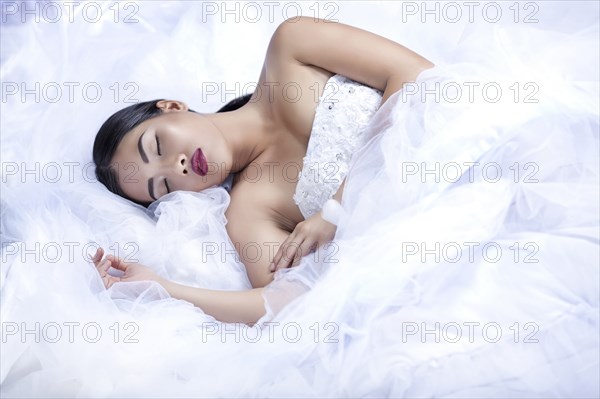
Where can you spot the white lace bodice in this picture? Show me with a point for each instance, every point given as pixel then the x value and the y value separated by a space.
pixel 341 118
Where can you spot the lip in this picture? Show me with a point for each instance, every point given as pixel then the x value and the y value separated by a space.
pixel 199 163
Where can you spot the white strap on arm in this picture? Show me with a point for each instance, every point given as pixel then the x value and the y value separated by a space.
pixel 332 211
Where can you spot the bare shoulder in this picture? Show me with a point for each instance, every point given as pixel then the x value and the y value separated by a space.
pixel 288 90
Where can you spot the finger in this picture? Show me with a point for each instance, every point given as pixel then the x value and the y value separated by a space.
pixel 278 256
pixel 110 280
pixel 105 280
pixel 98 256
pixel 281 258
pixel 288 255
pixel 305 248
pixel 117 263
pixel 103 267
pixel 102 264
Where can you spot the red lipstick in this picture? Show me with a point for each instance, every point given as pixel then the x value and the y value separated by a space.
pixel 199 163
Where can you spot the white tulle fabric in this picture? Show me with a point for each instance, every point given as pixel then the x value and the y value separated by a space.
pixel 354 305
pixel 341 119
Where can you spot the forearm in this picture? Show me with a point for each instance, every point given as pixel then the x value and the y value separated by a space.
pixel 226 306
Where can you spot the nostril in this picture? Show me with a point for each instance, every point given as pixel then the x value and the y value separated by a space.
pixel 182 161
pixel 185 172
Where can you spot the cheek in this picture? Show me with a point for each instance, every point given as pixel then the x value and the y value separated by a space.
pixel 130 175
pixel 132 181
pixel 127 168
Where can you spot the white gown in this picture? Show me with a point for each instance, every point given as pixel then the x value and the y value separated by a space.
pixel 466 263
pixel 341 120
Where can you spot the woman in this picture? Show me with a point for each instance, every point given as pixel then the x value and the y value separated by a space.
pixel 394 317
pixel 173 149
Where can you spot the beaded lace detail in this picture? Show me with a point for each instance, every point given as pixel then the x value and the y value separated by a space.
pixel 341 118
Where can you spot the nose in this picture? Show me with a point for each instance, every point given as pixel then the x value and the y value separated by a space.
pixel 177 165
pixel 181 166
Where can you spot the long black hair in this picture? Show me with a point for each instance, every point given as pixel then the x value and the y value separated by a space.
pixel 118 125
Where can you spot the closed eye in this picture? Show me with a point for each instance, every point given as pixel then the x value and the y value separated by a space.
pixel 159 153
pixel 158 146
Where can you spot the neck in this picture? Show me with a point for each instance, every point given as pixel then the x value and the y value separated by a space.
pixel 246 132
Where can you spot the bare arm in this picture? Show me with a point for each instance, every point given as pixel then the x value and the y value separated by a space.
pixel 355 53
pixel 256 239
pixel 227 306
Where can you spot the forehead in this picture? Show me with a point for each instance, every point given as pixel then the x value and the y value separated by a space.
pixel 128 147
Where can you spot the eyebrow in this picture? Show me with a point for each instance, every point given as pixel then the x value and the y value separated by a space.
pixel 145 159
pixel 141 149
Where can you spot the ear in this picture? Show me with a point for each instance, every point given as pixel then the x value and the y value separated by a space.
pixel 171 106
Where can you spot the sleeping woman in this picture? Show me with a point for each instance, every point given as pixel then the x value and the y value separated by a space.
pixel 150 149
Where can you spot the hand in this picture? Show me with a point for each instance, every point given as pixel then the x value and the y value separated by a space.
pixel 306 238
pixel 132 271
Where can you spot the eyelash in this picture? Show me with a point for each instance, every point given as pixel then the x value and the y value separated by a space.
pixel 158 146
pixel 158 150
